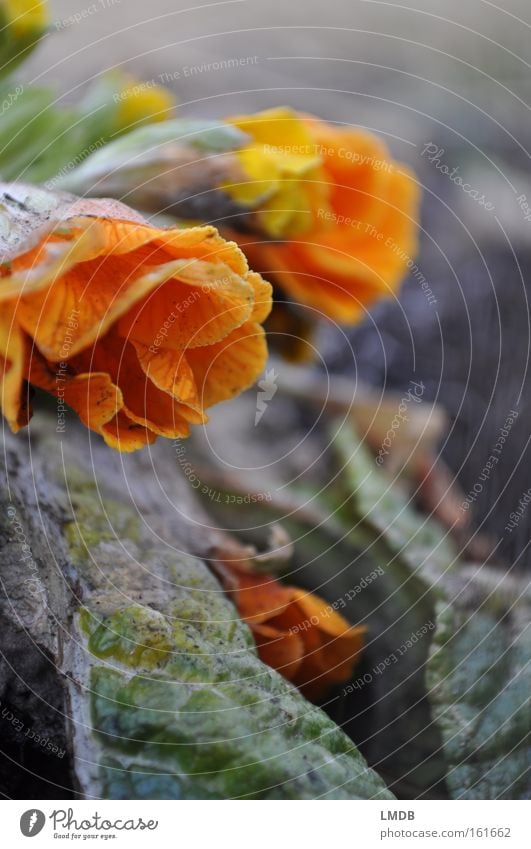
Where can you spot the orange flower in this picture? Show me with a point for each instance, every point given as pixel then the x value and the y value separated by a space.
pixel 352 210
pixel 296 632
pixel 137 328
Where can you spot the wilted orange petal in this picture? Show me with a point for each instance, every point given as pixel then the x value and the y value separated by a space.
pixel 103 267
pixel 93 396
pixel 313 671
pixel 39 266
pixel 200 305
pixel 339 654
pixel 287 626
pixel 282 650
pixel 170 372
pixel 114 233
pixel 225 369
pixel 75 240
pixel 313 607
pixel 92 295
pixel 329 655
pixel 125 435
pixel 328 661
pixel 96 278
pixel 144 403
pixel 260 597
pixel 263 292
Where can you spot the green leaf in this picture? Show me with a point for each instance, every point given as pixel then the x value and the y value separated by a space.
pixel 342 554
pixel 181 705
pixel 42 139
pixel 478 677
pixel 38 136
pixel 439 702
pixel 479 684
pixel 154 151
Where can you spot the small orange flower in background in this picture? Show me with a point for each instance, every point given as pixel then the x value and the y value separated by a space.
pixel 297 633
pixel 137 328
pixel 344 211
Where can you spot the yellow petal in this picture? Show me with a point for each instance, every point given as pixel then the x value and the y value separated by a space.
pixel 280 127
pixel 140 102
pixel 124 435
pixel 275 168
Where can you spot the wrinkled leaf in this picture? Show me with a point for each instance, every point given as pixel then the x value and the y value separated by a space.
pixel 178 166
pixel 42 139
pixel 341 554
pixel 478 675
pixel 360 541
pixel 479 685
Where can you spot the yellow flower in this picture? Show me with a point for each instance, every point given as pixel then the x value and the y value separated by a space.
pixel 26 16
pixel 137 328
pixel 22 23
pixel 343 211
pixel 282 172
